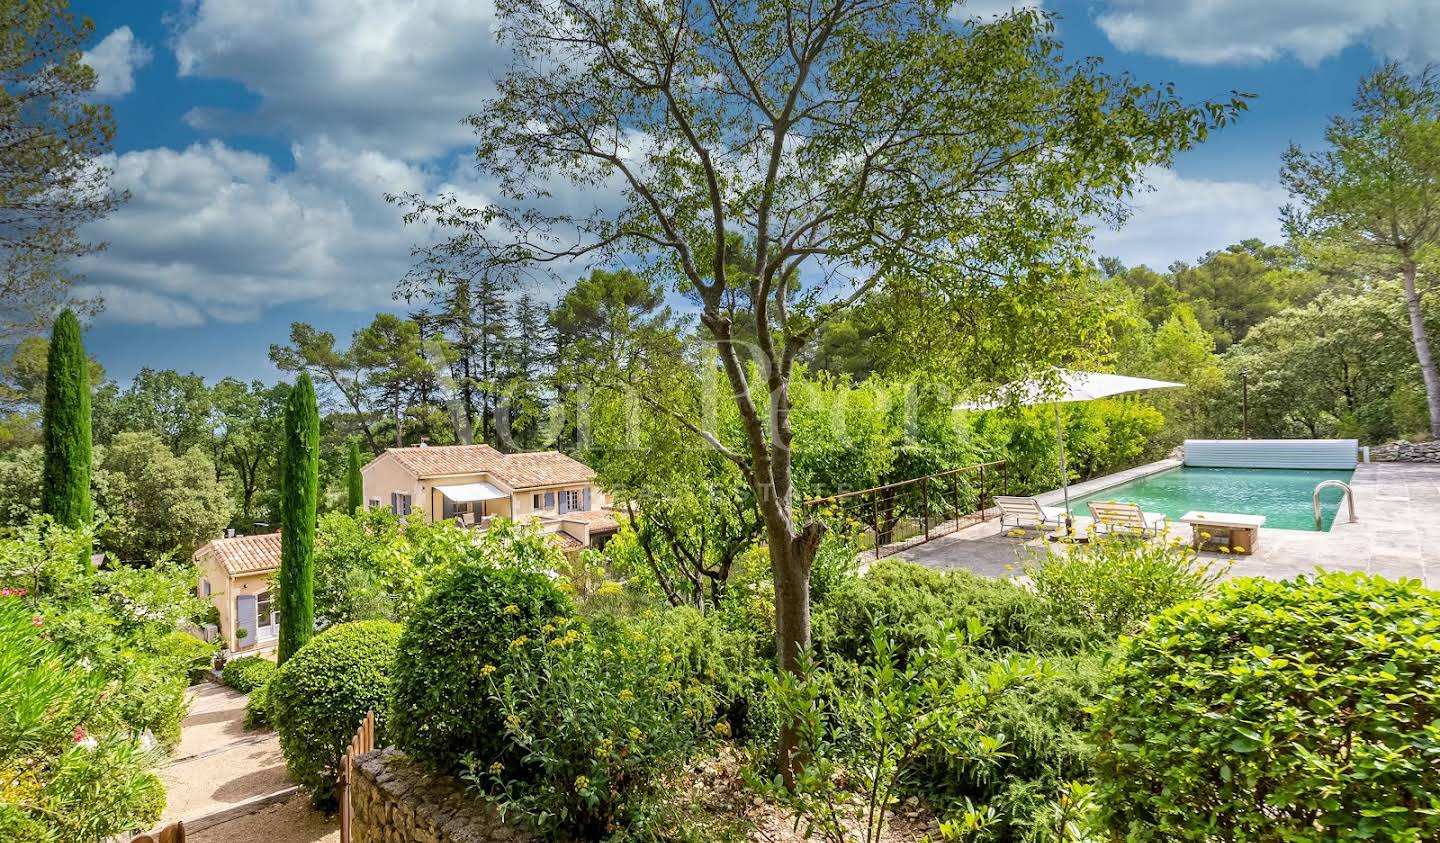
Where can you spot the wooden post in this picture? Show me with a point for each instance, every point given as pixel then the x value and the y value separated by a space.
pixel 981 502
pixel 925 504
pixel 875 520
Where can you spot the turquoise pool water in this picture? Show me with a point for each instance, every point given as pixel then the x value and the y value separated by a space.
pixel 1281 495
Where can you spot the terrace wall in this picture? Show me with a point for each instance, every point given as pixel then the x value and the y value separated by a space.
pixel 394 801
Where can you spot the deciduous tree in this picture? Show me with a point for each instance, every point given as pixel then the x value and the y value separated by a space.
pixel 858 145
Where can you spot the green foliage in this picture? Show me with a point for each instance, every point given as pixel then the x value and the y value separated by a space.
pixel 596 715
pixel 257 708
pixel 120 621
pixel 155 502
pixel 247 673
pixel 1293 710
pixel 197 654
pixel 70 770
pixel 65 494
pixel 354 482
pixel 1114 583
pixel 863 742
pixel 442 705
pixel 319 697
pixel 299 476
pixel 912 601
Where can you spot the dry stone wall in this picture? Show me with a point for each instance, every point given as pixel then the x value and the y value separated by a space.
pixel 1407 452
pixel 394 801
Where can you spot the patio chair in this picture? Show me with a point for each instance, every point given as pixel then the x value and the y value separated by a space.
pixel 1126 518
pixel 1027 512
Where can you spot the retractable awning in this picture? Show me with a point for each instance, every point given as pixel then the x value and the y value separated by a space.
pixel 468 492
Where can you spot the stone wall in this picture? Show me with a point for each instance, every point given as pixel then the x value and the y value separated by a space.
pixel 394 801
pixel 1407 452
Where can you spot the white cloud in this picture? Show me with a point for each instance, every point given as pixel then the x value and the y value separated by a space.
pixel 1249 32
pixel 1182 219
pixel 967 9
pixel 213 232
pixel 141 307
pixel 382 74
pixel 115 60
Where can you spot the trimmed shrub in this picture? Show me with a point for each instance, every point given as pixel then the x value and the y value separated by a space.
pixel 470 619
pixel 1297 710
pixel 194 654
pixel 247 673
pixel 319 697
pixel 65 426
pixel 257 708
pixel 912 602
pixel 1112 584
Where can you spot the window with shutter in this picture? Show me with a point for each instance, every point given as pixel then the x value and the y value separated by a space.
pixel 549 500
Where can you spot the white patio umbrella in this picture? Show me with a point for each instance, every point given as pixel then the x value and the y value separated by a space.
pixel 1064 386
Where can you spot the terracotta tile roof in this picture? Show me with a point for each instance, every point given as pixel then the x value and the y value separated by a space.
pixel 518 471
pixel 565 541
pixel 244 554
pixel 599 520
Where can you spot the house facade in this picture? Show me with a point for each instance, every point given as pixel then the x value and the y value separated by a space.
pixel 235 577
pixel 474 484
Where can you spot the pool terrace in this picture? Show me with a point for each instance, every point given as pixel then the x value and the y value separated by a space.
pixel 1397 534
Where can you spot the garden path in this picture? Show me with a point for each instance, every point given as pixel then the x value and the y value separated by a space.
pixel 229 783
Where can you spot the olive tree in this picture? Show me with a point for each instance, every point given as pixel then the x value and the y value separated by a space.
pixel 854 147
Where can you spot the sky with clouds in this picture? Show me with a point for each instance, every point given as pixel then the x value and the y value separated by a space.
pixel 257 139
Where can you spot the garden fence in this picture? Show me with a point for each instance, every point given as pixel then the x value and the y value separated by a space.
pixel 361 743
pixel 899 515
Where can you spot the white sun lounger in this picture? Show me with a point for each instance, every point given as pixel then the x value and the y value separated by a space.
pixel 1027 512
pixel 1126 518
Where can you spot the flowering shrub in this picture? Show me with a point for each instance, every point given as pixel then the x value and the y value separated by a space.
pixel 1297 710
pixel 68 770
pixel 594 714
pixel 1113 583
pixel 318 698
pixel 247 673
pixel 442 705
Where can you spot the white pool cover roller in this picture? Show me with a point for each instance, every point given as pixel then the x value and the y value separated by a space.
pixel 1272 453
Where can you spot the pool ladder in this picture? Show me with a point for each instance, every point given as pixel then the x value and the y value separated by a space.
pixel 1332 484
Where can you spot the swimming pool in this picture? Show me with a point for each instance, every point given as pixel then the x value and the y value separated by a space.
pixel 1282 495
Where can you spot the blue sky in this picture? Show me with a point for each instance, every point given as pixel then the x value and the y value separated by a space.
pixel 257 137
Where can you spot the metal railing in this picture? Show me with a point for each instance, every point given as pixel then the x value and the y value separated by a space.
pixel 1332 484
pixel 899 515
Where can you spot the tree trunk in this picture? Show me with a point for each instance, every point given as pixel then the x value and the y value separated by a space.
pixel 791 557
pixel 1422 348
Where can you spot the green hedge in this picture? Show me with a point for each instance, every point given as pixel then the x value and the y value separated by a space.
pixel 319 697
pixel 247 673
pixel 1298 710
pixel 912 601
pixel 470 620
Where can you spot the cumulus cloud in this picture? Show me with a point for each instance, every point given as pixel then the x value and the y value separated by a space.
pixel 115 60
pixel 1182 219
pixel 213 232
pixel 381 74
pixel 1246 32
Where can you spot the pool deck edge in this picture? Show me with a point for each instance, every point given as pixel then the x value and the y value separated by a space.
pixel 1055 497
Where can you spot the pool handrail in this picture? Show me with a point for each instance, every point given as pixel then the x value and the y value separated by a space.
pixel 1315 500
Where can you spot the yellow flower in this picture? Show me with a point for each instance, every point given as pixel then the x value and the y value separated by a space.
pixel 519 642
pixel 582 783
pixel 672 687
pixel 722 729
pixel 1205 536
pixel 497 768
pixel 487 670
pixel 1224 548
pixel 666 658
pixel 635 734
pixel 548 628
pixel 512 609
pixel 1238 549
pixel 625 695
pixel 513 721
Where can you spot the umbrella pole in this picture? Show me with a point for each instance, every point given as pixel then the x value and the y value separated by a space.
pixel 1064 473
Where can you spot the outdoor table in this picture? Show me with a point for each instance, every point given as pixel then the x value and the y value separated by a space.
pixel 1226 530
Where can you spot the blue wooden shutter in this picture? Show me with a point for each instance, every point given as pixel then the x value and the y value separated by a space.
pixel 395 502
pixel 549 500
pixel 585 503
pixel 564 502
pixel 245 619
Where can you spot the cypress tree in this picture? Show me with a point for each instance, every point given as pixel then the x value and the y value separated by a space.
pixel 354 483
pixel 65 492
pixel 299 481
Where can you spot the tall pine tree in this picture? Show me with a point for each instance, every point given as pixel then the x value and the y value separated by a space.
pixel 65 493
pixel 354 483
pixel 299 481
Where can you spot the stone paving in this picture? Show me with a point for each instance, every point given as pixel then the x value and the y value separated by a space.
pixel 1397 533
